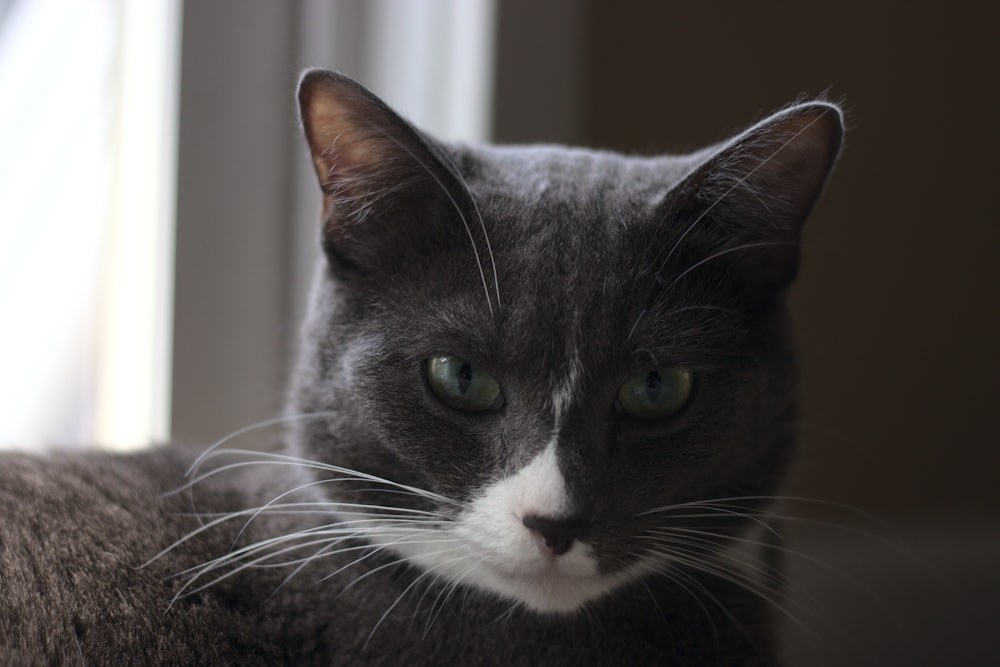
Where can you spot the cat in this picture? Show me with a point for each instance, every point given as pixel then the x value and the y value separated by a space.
pixel 543 399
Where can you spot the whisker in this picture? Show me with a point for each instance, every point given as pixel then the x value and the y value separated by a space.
pixel 249 429
pixel 274 458
pixel 686 582
pixel 465 222
pixel 702 538
pixel 447 591
pixel 684 309
pixel 720 510
pixel 398 561
pixel 482 224
pixel 319 553
pixel 722 253
pixel 426 573
pixel 890 540
pixel 265 507
pixel 709 547
pixel 188 587
pixel 770 596
pixel 635 325
pixel 738 183
pixel 332 507
pixel 339 535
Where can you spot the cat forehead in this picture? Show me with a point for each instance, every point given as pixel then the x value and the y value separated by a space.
pixel 556 174
pixel 567 231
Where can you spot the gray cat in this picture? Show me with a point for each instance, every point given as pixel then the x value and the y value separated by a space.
pixel 543 400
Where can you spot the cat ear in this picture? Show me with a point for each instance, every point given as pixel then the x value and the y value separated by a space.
pixel 753 193
pixel 381 179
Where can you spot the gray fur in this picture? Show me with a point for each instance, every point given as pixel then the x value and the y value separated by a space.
pixel 531 262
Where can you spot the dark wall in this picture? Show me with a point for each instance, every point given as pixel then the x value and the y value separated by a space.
pixel 898 305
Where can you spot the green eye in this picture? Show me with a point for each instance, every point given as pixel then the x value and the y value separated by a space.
pixel 656 394
pixel 463 386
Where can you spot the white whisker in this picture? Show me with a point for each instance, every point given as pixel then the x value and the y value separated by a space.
pixel 426 573
pixel 465 223
pixel 276 459
pixel 249 429
pixel 738 183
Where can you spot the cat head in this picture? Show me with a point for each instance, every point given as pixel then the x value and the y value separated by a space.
pixel 556 354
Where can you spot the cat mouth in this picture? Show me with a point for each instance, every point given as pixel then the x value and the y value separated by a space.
pixel 546 584
pixel 542 565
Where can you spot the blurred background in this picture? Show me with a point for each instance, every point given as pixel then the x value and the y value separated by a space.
pixel 157 218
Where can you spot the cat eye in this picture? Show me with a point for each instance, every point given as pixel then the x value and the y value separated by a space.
pixel 462 385
pixel 656 394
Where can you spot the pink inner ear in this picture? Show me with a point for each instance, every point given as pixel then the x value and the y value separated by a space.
pixel 803 148
pixel 343 139
pixel 380 180
pixel 771 175
pixel 791 154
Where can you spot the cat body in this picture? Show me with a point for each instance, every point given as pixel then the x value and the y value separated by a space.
pixel 543 399
pixel 75 593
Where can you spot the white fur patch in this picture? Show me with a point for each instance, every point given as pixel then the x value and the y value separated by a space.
pixel 489 547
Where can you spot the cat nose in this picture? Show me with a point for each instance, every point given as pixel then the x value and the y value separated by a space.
pixel 557 533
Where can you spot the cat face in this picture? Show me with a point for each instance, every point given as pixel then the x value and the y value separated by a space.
pixel 548 366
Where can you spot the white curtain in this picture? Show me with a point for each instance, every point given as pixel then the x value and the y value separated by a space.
pixel 92 135
pixel 86 195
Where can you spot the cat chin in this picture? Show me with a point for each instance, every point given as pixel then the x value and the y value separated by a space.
pixel 549 592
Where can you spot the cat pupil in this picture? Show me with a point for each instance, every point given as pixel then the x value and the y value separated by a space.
pixel 653 386
pixel 464 377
